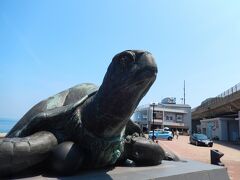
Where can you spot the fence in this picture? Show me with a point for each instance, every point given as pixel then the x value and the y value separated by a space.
pixel 221 97
pixel 230 91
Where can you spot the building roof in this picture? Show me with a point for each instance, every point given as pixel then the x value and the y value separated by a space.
pixel 164 105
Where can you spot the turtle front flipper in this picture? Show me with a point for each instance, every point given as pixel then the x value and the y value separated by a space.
pixel 132 128
pixel 18 154
pixel 143 151
pixel 66 158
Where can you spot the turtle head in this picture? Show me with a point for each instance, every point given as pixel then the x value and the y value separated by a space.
pixel 128 78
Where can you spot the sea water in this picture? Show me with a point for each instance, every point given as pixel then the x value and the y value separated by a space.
pixel 6 124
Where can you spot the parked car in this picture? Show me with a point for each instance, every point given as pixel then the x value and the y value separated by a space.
pixel 200 139
pixel 161 134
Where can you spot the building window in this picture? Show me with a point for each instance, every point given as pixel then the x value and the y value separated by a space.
pixel 179 117
pixel 158 114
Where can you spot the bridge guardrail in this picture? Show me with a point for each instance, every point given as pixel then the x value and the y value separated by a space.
pixel 230 91
pixel 221 97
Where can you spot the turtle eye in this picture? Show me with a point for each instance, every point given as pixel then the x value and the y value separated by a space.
pixel 126 59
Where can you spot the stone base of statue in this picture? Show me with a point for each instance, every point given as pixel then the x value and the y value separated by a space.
pixel 168 170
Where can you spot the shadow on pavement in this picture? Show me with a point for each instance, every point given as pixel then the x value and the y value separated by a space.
pixel 228 144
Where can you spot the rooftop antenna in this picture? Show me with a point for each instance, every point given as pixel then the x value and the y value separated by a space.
pixel 184 98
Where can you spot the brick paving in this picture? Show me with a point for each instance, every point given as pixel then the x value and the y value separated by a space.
pixel 184 150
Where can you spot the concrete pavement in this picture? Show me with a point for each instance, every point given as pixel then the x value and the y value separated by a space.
pixel 184 150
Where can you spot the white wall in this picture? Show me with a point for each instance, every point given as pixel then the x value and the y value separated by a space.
pixel 224 132
pixel 212 126
pixel 221 129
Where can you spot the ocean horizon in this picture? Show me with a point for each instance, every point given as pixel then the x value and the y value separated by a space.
pixel 6 124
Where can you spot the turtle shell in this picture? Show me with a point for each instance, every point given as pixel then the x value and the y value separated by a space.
pixel 67 97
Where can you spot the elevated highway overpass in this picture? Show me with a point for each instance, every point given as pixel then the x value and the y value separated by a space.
pixel 225 106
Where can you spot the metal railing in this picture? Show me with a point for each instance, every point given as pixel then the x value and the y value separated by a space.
pixel 230 91
pixel 220 98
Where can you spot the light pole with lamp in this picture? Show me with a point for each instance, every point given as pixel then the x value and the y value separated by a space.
pixel 163 116
pixel 153 117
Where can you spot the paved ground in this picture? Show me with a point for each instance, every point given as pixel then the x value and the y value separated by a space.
pixel 184 150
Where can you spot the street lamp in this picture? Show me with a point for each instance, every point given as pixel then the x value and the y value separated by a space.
pixel 153 117
pixel 163 116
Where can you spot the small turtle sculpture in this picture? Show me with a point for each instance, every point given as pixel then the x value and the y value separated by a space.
pixel 86 126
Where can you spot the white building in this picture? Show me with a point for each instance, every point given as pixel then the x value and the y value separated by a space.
pixel 221 128
pixel 165 114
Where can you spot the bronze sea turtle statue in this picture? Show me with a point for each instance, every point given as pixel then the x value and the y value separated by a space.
pixel 86 126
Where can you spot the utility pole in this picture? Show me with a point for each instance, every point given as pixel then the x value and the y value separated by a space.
pixel 184 98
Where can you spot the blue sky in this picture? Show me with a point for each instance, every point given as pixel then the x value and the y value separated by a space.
pixel 48 46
